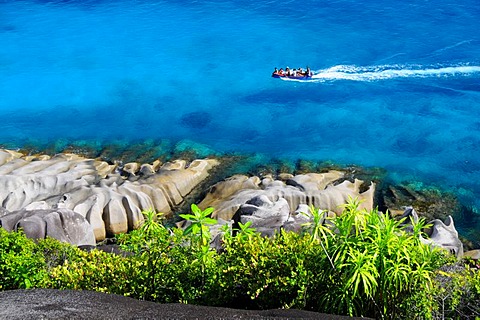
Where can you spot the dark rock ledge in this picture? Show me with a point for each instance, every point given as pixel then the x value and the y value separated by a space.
pixel 71 304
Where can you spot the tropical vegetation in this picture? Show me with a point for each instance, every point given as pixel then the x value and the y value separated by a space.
pixel 361 263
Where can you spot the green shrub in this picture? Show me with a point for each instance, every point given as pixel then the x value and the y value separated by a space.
pixel 263 273
pixel 198 230
pixel 363 264
pixel 172 265
pixel 21 266
pixel 54 252
pixel 94 270
pixel 457 291
pixel 372 266
pixel 360 263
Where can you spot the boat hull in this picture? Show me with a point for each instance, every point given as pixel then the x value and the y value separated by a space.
pixel 291 77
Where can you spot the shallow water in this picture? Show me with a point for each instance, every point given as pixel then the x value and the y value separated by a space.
pixel 397 85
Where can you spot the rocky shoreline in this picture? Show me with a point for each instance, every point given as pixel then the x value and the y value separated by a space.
pixel 84 201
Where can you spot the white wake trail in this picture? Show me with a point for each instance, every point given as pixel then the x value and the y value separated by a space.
pixel 384 72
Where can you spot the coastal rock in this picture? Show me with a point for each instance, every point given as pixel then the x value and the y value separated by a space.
pixel 473 254
pixel 8 155
pixel 131 168
pixel 429 203
pixel 273 204
pixel 266 216
pixel 314 181
pixel 440 234
pixel 84 304
pixel 147 169
pixel 445 235
pixel 3 211
pixel 61 224
pixel 298 218
pixel 110 202
pixel 238 189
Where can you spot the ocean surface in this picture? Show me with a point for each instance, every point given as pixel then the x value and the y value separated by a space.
pixel 397 83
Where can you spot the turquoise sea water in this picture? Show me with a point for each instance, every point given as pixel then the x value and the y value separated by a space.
pixel 397 84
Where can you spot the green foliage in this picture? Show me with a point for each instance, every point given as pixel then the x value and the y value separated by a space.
pixel 164 267
pixel 54 252
pixel 148 245
pixel 152 224
pixel 245 232
pixel 95 270
pixel 457 291
pixel 318 232
pixel 264 272
pixel 202 263
pixel 376 265
pixel 21 266
pixel 315 228
pixel 361 263
pixel 199 225
pixel 150 234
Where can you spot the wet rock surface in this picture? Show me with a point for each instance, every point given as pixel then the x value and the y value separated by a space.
pixel 429 203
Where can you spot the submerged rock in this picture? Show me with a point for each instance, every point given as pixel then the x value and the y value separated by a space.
pixel 429 202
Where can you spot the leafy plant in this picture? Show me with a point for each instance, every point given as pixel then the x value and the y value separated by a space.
pixel 378 265
pixel 457 291
pixel 198 233
pixel 21 266
pixel 199 225
pixel 317 230
pixel 244 231
pixel 152 223
pixel 94 270
pixel 259 272
pixel 149 244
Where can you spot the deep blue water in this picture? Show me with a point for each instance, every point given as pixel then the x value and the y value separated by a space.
pixel 397 84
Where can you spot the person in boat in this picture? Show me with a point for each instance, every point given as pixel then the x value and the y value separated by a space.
pixel 281 72
pixel 288 71
pixel 275 72
pixel 300 72
pixel 308 73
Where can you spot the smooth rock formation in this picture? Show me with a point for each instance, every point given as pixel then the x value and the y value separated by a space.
pixel 238 189
pixel 61 224
pixel 443 235
pixel 109 200
pixel 473 254
pixel 273 204
pixel 266 216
